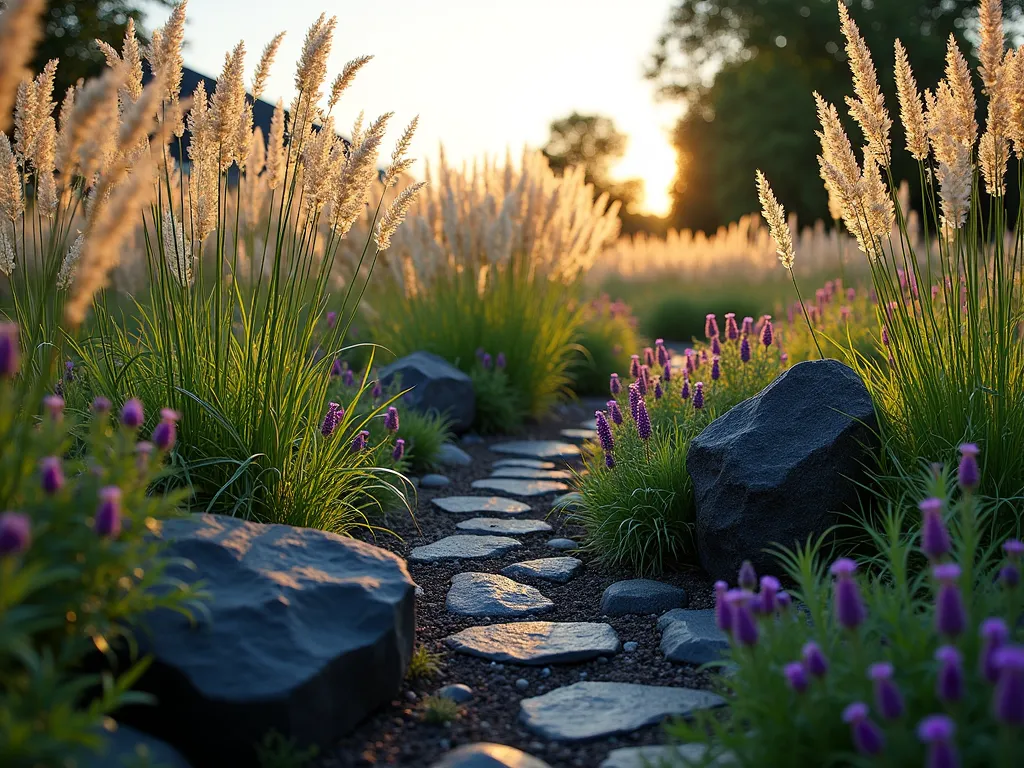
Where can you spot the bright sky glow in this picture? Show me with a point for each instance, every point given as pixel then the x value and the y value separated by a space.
pixel 482 75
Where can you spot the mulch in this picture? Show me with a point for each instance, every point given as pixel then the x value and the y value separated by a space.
pixel 397 735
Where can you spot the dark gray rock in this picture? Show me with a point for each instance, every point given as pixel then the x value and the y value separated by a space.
pixel 503 526
pixel 641 596
pixel 781 466
pixel 565 545
pixel 434 481
pixel 538 449
pixel 692 637
pixel 485 755
pixel 305 633
pixel 519 487
pixel 556 569
pixel 495 505
pixel 128 744
pixel 437 386
pixel 452 456
pixel 457 692
pixel 463 547
pixel 488 594
pixel 537 642
pixel 590 710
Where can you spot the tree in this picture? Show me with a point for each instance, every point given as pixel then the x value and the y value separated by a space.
pixel 745 70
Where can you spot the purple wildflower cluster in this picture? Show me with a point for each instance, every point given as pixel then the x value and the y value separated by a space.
pixel 487 362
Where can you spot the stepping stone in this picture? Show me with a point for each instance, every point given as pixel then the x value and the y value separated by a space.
pixel 556 569
pixel 538 449
pixel 568 501
pixel 692 637
pixel 471 439
pixel 484 755
pixel 519 487
pixel 525 473
pixel 458 693
pixel 434 481
pixel 641 596
pixel 537 642
pixel 495 505
pixel 488 594
pixel 658 755
pixel 566 545
pixel 580 434
pixel 503 526
pixel 463 548
pixel 589 424
pixel 591 710
pixel 525 463
pixel 452 456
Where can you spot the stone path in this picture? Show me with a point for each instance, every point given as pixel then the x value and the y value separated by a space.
pixel 488 594
pixel 537 642
pixel 503 527
pixel 520 487
pixel 538 449
pixel 524 463
pixel 496 505
pixel 527 473
pixel 556 569
pixel 463 548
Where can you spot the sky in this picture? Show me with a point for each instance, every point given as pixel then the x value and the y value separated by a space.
pixel 482 75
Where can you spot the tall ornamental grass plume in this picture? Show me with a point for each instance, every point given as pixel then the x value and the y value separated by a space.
pixel 637 506
pixel 491 258
pixel 950 312
pixel 79 567
pixel 912 657
pixel 239 252
pixel 607 334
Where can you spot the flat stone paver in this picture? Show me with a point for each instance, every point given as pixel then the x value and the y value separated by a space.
pixel 461 547
pixel 525 473
pixel 566 545
pixel 654 756
pixel 434 481
pixel 495 505
pixel 692 637
pixel 485 755
pixel 488 594
pixel 580 434
pixel 537 642
pixel 519 487
pixel 589 423
pixel 503 526
pixel 641 596
pixel 538 449
pixel 525 463
pixel 556 569
pixel 590 710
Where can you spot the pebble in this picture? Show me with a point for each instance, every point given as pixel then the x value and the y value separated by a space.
pixel 641 596
pixel 472 439
pixel 456 692
pixel 522 683
pixel 546 672
pixel 563 544
pixel 410 695
pixel 434 481
pixel 630 646
pixel 452 456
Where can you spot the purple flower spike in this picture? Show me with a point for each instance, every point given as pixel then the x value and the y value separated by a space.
pixel 745 349
pixel 747 576
pixel 748 325
pixel 1013 549
pixel 685 391
pixel 885 336
pixel 888 698
pixel 796 676
pixel 15 532
pixel 968 475
pixel 332 319
pixel 486 361
pixel 666 372
pixel 604 432
pixel 108 514
pixel 849 605
pixel 500 362
pixel 949 685
pixel 723 614
pixel 51 475
pixel 335 413
pixel 710 325
pixel 399 450
pixel 634 400
pixel 1009 575
pixel 100 405
pixel 165 433
pixel 359 441
pixel 814 659
pixel 783 601
pixel 1008 701
pixel 391 419
pixel 867 737
pixel 609 461
pixel 337 368
pixel 348 378
pixel 950 616
pixel 716 369
pixel 377 390
pixel 769 589
pixel 994 634
pixel 934 536
pixel 732 331
pixel 132 414
pixel 480 352
pixel 649 357
pixel 614 384
pixel 663 356
pixel 698 395
pixel 744 625
pixel 643 380
pixel 643 421
pixel 54 407
pixel 614 412
pixel 937 732
pixel 767 331
pixel 634 366
pixel 716 346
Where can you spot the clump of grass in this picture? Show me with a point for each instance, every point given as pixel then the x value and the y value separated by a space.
pixel 424 664
pixel 276 751
pixel 498 407
pixel 607 336
pixel 438 710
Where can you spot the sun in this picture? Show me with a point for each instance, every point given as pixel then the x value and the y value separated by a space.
pixel 651 158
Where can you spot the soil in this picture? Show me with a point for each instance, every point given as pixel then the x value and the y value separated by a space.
pixel 397 736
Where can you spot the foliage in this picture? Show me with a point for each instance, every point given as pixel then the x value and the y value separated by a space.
pixel 907 643
pixel 499 409
pixel 423 664
pixel 77 565
pixel 439 710
pixel 278 752
pixel 607 333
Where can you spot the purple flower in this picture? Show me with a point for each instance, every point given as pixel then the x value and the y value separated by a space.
pixel 1009 575
pixel 337 368
pixel 685 391
pixel 658 391
pixel 937 732
pixel 9 352
pixel 634 400
pixel 1008 700
pixel 851 294
pixel 767 331
pixel 994 634
pixel 335 413
pixel 143 450
pixel 332 319
pixel 480 352
pixel 648 357
pixel 885 336
pixel 867 737
pixel 769 589
pixel 51 475
pixel 691 366
pixel 643 421
pixel 716 369
pixel 500 362
pixel 108 513
pixel 69 371
pixel 348 378
pixel 359 441
pixel 968 475
pixel 54 407
pixel 634 366
pixel 732 331
pixel 614 412
pixel 744 625
pixel 663 356
pixel 784 358
pixel 745 349
pixel 132 414
pixel 645 380
pixel 783 601
pixel 698 395
pixel 949 685
pixel 377 390
pixel 747 577
pixel 814 659
pixel 710 325
pixel 716 346
pixel 950 616
pixel 604 432
pixel 100 405
pixel 165 432
pixel 15 529
pixel 609 461
pixel 666 372
pixel 934 536
pixel 1013 549
pixel 486 362
pixel 399 450
pixel 723 614
pixel 796 676
pixel 849 606
pixel 391 419
pixel 614 384
pixel 748 325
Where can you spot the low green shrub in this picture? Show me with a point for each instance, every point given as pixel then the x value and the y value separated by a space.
pixel 913 657
pixel 423 664
pixel 607 336
pixel 438 710
pixel 77 563
pixel 499 408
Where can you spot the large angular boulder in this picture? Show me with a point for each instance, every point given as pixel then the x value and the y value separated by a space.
pixel 437 385
pixel 304 633
pixel 780 466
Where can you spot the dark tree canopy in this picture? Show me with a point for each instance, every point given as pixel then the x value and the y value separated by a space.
pixel 745 71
